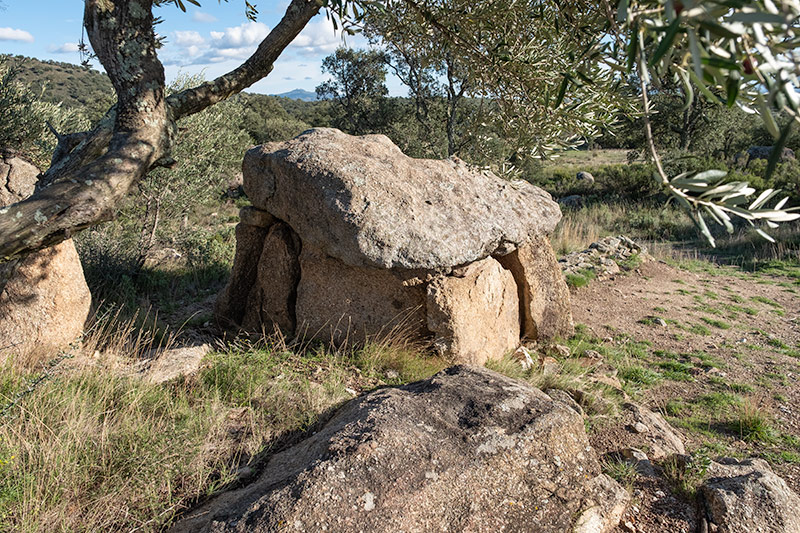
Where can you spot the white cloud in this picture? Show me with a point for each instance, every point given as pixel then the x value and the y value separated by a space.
pixel 11 34
pixel 317 38
pixel 247 34
pixel 66 48
pixel 199 16
pixel 188 38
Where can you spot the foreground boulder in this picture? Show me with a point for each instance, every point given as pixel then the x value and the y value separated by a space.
pixel 467 451
pixel 45 303
pixel 747 496
pixel 370 237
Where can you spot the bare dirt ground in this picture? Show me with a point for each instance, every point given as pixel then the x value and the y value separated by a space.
pixel 721 366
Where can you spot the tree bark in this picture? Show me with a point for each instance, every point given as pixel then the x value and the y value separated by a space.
pixel 85 185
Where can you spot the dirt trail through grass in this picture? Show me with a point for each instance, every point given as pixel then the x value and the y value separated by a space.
pixel 723 356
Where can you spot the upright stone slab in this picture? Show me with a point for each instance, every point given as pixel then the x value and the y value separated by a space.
pixel 338 303
pixel 251 231
pixel 271 300
pixel 474 315
pixel 543 293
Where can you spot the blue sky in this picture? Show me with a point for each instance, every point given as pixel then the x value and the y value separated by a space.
pixel 213 39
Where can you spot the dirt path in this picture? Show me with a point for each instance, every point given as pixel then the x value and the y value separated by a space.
pixel 722 365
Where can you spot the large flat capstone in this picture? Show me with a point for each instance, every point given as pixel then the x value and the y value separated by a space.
pixel 362 201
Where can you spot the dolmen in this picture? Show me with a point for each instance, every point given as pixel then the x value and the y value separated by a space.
pixel 349 240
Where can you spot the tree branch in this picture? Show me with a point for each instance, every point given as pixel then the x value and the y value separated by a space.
pixel 257 66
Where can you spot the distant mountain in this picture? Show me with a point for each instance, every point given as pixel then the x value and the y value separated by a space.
pixel 74 85
pixel 299 94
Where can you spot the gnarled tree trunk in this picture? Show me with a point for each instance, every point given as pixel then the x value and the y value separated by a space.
pixel 91 172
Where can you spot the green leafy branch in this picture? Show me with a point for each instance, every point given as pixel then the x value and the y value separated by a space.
pixel 743 50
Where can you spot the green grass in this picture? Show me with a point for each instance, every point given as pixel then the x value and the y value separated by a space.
pixel 715 322
pixel 676 371
pixel 580 279
pixel 766 301
pixel 699 329
pixel 93 450
pixel 639 375
pixel 622 471
pixel 754 425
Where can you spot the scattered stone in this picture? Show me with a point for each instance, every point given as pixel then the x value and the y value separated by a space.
pixel 661 438
pixel 584 176
pixel 550 366
pixel 593 354
pixel 573 201
pixel 45 301
pixel 565 398
pixel 523 356
pixel 468 450
pixel 640 460
pixel 175 362
pixel 765 152
pixel 603 257
pixel 638 427
pixel 660 322
pixel 561 351
pixel 747 496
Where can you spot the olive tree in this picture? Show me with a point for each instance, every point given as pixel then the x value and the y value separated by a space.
pixel 544 83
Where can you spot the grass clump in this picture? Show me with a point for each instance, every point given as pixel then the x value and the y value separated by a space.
pixel 622 471
pixel 676 371
pixel 639 375
pixel 699 329
pixel 754 425
pixel 715 322
pixel 581 278
pixel 767 301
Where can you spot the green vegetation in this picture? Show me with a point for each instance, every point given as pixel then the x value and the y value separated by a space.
pixel 132 455
pixel 581 278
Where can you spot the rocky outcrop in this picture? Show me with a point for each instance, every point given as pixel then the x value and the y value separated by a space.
pixel 466 451
pixel 373 242
pixel 46 301
pixel 747 496
pixel 654 433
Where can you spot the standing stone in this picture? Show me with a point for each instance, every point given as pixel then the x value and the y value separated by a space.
pixel 474 316
pixel 45 302
pixel 545 311
pixel 272 297
pixel 251 231
pixel 341 303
